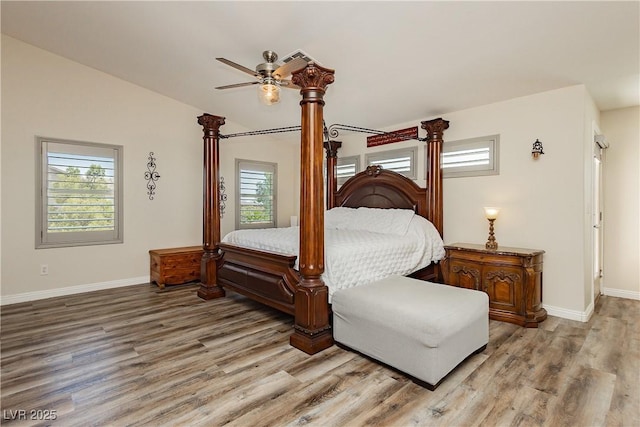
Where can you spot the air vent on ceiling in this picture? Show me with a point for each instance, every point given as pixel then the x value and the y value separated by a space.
pixel 299 54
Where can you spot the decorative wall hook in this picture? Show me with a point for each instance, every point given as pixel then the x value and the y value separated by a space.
pixel 151 176
pixel 537 149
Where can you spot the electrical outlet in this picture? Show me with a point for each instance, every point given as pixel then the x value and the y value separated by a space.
pixel 44 269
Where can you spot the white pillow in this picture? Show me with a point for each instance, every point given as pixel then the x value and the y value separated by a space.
pixel 338 218
pixel 387 221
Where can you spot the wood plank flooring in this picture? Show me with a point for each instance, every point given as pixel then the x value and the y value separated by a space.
pixel 138 356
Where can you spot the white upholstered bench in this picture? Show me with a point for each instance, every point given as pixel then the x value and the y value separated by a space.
pixel 423 329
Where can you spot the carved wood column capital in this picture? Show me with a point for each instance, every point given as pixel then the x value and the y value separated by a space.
pixel 313 81
pixel 435 128
pixel 331 147
pixel 211 123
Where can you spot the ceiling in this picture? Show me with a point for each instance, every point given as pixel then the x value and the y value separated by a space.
pixel 394 61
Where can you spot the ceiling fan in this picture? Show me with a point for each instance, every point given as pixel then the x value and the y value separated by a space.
pixel 270 76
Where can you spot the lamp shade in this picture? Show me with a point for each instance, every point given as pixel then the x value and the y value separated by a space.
pixel 491 212
pixel 269 93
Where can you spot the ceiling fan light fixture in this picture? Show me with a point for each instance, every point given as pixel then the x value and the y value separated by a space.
pixel 271 76
pixel 269 92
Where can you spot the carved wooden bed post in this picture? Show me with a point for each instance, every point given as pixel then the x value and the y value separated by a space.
pixel 435 128
pixel 332 170
pixel 311 328
pixel 211 208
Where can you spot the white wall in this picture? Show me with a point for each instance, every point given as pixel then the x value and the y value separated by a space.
pixel 44 94
pixel 622 202
pixel 543 201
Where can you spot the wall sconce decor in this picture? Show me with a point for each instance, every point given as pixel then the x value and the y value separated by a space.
pixel 491 213
pixel 537 149
pixel 151 176
pixel 223 197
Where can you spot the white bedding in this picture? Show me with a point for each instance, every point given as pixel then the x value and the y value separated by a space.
pixel 355 255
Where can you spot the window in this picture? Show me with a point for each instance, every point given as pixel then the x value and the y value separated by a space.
pixel 79 193
pixel 471 157
pixel 402 161
pixel 256 194
pixel 347 167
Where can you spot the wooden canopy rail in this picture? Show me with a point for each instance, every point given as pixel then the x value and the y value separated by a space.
pixel 270 278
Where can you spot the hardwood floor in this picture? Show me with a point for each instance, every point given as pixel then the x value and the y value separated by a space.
pixel 141 356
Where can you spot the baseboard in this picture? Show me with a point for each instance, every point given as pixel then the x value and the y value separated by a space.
pixel 37 295
pixel 621 293
pixel 580 316
pixel 584 316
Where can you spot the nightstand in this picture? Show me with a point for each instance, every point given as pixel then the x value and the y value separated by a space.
pixel 175 266
pixel 512 277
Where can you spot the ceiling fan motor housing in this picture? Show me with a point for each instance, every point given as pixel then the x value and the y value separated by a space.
pixel 268 67
pixel 270 56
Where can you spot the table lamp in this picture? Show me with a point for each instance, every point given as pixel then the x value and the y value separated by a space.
pixel 491 213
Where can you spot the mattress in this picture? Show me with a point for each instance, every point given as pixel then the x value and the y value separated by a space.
pixel 354 254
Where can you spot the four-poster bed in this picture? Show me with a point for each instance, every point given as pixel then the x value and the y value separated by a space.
pixel 271 278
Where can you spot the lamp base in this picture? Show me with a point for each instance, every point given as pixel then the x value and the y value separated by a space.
pixel 492 246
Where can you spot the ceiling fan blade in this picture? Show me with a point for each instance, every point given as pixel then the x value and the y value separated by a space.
pixel 286 69
pixel 288 84
pixel 238 85
pixel 238 67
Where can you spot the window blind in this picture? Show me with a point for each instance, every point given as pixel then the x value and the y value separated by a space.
pixel 402 161
pixel 256 195
pixel 470 157
pixel 80 193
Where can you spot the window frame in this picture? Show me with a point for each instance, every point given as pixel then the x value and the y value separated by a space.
pixel 492 142
pixel 260 166
pixel 411 152
pixel 45 239
pixel 346 161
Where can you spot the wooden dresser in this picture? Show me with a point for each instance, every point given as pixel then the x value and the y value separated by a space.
pixel 512 277
pixel 175 266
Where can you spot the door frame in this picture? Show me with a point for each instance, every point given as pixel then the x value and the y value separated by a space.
pixel 597 217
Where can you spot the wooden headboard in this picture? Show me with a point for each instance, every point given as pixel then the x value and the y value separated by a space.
pixel 379 188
